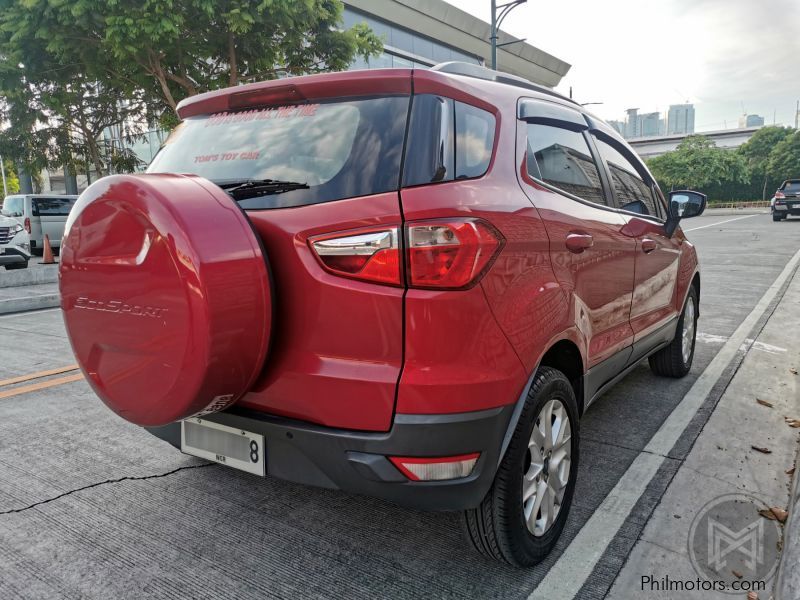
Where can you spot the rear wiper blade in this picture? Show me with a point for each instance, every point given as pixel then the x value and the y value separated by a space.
pixel 260 187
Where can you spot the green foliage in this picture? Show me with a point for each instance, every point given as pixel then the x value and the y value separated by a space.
pixel 171 49
pixel 698 164
pixel 784 160
pixel 758 148
pixel 12 181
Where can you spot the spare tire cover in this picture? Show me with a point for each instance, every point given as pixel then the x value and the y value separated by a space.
pixel 166 296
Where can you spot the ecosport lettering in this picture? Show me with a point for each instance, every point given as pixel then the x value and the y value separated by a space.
pixel 118 306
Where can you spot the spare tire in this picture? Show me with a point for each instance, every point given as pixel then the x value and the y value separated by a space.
pixel 166 295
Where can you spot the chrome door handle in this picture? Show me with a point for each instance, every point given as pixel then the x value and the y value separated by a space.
pixel 578 242
pixel 649 245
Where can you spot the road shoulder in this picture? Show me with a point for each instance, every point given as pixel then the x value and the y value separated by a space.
pixel 723 460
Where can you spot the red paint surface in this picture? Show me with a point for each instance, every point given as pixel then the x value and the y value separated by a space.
pixel 165 295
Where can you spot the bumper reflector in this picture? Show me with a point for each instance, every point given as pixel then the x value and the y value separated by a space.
pixel 437 468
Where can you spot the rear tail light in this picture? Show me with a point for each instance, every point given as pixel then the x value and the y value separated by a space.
pixel 780 194
pixel 27 224
pixel 368 255
pixel 447 254
pixel 435 469
pixel 450 254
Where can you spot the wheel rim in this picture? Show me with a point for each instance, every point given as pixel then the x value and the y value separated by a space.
pixel 687 339
pixel 547 467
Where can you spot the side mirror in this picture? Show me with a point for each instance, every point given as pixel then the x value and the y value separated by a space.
pixel 683 204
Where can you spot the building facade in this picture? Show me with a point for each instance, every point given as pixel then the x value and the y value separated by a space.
pixel 680 119
pixel 751 121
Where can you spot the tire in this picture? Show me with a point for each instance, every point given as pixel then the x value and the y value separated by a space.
pixel 776 217
pixel 497 528
pixel 675 360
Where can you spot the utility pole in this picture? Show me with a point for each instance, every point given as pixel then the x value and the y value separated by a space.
pixel 797 115
pixel 3 171
pixel 497 19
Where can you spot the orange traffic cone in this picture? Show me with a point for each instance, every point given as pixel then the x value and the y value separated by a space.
pixel 47 256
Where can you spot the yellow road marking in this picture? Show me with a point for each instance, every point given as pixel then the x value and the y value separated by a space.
pixel 37 375
pixel 42 385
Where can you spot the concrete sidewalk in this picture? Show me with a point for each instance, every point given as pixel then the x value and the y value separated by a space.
pixel 723 461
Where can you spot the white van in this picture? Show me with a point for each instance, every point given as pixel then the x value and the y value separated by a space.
pixel 40 214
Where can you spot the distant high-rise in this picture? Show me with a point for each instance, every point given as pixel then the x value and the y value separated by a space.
pixel 680 119
pixel 650 124
pixel 751 121
pixel 619 127
pixel 632 123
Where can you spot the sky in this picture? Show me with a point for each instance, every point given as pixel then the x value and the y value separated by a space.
pixel 725 56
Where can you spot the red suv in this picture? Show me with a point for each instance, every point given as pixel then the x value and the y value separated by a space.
pixel 408 284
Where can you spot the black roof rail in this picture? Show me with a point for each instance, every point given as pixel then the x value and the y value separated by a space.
pixel 478 72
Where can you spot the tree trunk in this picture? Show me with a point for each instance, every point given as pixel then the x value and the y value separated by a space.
pixel 234 69
pixel 154 67
pixel 764 192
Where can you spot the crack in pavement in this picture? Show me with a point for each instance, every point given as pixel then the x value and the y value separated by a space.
pixel 107 481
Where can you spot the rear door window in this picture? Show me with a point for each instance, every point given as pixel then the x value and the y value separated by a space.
pixel 632 192
pixel 52 207
pixel 326 151
pixel 561 158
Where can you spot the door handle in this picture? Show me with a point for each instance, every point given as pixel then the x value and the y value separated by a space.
pixel 649 245
pixel 578 242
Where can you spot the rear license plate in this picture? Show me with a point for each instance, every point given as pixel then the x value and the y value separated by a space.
pixel 226 445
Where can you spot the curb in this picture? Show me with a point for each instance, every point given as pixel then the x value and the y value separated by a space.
pixel 787 584
pixel 33 275
pixel 25 303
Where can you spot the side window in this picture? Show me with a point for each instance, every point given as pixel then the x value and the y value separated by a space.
pixel 52 207
pixel 632 192
pixel 474 140
pixel 447 140
pixel 561 157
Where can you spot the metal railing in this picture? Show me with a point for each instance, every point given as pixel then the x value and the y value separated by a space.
pixel 740 204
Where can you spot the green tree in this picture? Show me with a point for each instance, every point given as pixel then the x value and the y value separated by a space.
pixel 12 181
pixel 698 164
pixel 784 160
pixel 177 48
pixel 756 151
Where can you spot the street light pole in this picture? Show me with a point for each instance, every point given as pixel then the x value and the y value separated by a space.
pixel 497 19
pixel 3 171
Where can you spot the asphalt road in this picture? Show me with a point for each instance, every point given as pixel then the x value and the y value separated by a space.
pixel 93 507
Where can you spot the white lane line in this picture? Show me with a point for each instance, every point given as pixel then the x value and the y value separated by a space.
pixel 566 577
pixel 721 222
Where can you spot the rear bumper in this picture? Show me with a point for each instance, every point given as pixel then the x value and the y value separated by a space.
pixel 785 210
pixel 356 461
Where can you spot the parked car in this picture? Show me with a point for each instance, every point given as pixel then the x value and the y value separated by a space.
pixel 786 200
pixel 40 214
pixel 15 249
pixel 403 283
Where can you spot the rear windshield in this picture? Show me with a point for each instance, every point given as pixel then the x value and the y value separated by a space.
pixel 14 206
pixel 52 207
pixel 338 149
pixel 791 186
